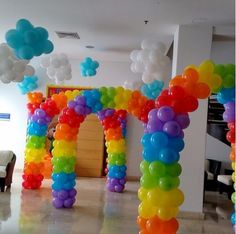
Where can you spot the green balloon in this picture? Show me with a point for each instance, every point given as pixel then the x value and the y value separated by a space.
pixel 230 69
pixel 220 70
pixel 144 166
pixel 165 183
pixel 147 181
pixel 233 197
pixel 229 81
pixel 174 169
pixel 157 169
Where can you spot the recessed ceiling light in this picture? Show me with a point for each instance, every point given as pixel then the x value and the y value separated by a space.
pixel 199 20
pixel 89 47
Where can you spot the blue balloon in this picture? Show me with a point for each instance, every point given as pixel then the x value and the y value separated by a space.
pixel 88 67
pixel 42 33
pixel 23 25
pixel 176 143
pixel 48 47
pixel 14 39
pixel 26 52
pixel 149 154
pixel 168 156
pixel 159 140
pixel 146 140
pixel 233 218
pixel 153 89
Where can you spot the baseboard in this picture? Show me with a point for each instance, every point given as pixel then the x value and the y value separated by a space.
pixel 191 215
pixel 132 178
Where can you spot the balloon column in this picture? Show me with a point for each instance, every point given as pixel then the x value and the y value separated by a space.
pixel 28 41
pixel 88 67
pixel 28 84
pixel 114 124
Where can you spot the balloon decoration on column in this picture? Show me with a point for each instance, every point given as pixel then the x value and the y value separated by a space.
pixel 11 68
pixel 88 67
pixel 28 41
pixel 28 84
pixel 58 67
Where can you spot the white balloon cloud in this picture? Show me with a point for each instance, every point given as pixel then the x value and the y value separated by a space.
pixel 151 61
pixel 58 67
pixel 12 69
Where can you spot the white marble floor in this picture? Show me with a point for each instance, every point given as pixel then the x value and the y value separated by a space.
pixel 96 211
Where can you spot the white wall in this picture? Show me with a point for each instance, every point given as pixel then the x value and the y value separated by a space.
pixel 13 132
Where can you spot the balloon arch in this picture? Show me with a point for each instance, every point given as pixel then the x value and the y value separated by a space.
pixel 164 120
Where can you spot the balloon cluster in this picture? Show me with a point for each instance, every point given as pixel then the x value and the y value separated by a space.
pixel 88 67
pixel 28 41
pixel 114 124
pixel 153 89
pixel 28 84
pixel 151 61
pixel 58 67
pixel 11 68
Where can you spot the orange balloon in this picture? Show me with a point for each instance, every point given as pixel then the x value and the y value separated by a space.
pixel 201 90
pixel 170 227
pixel 144 232
pixel 232 153
pixel 188 87
pixel 191 74
pixel 154 225
pixel 177 81
pixel 141 222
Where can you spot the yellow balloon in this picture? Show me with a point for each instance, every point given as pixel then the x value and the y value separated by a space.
pixel 146 210
pixel 207 66
pixel 142 193
pixel 233 176
pixel 167 213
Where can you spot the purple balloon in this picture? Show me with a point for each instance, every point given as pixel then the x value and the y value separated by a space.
pixel 72 193
pixel 165 113
pixel 80 100
pixel 87 110
pixel 72 104
pixel 234 228
pixel 183 120
pixel 34 118
pixel 122 181
pixel 110 187
pixel 63 194
pixel 119 188
pixel 172 128
pixel 42 121
pixel 40 113
pixel 114 181
pixel 152 115
pixel 68 203
pixel 54 193
pixel 57 203
pixel 229 115
pixel 153 126
pixel 229 106
pixel 109 112
pixel 79 109
pixel 181 135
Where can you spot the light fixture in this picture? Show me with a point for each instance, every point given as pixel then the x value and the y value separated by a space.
pixel 89 47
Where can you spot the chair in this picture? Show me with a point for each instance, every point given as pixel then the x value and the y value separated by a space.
pixel 7 163
pixel 212 170
pixel 225 183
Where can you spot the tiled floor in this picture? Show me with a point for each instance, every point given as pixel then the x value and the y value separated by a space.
pixel 95 212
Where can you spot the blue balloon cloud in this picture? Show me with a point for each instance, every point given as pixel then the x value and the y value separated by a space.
pixel 153 89
pixel 28 41
pixel 28 84
pixel 88 67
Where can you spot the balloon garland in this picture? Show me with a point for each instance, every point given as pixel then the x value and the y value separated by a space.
pixel 164 119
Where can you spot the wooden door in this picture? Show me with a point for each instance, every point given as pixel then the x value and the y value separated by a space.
pixel 90 148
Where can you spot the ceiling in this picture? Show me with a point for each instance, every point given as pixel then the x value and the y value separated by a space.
pixel 115 27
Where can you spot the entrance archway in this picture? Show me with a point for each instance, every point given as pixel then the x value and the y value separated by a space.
pixel 164 120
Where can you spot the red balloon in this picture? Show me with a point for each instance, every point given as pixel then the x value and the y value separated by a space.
pixel 177 92
pixel 230 136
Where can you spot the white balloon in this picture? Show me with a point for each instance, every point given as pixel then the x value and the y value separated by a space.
pixel 4 79
pixel 60 75
pixel 45 61
pixel 29 70
pixel 51 72
pixel 68 77
pixel 155 55
pixel 139 67
pixel 160 46
pixel 19 67
pixel 147 78
pixel 5 51
pixel 151 68
pixel 133 55
pixel 6 65
pixel 55 62
pixel 143 56
pixel 10 75
pixel 132 67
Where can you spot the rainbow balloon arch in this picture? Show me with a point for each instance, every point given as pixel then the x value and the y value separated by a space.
pixel 164 120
